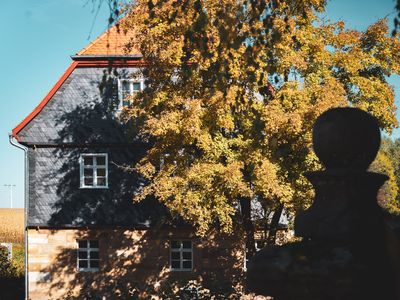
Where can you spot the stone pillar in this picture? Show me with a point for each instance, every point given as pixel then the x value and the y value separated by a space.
pixel 343 253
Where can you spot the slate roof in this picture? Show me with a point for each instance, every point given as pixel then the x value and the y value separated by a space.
pixel 82 111
pixel 111 42
pixel 79 115
pixel 55 198
pixel 82 114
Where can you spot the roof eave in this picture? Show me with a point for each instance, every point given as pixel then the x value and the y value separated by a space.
pixel 106 57
pixel 43 103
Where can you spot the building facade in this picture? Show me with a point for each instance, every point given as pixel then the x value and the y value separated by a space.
pixel 85 237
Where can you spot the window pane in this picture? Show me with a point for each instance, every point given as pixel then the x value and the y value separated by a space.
pixel 187 255
pixel 101 160
pixel 101 181
pixel 187 264
pixel 88 160
pixel 82 244
pixel 82 255
pixel 88 181
pixel 88 172
pixel 125 86
pixel 175 244
pixel 94 244
pixel 125 89
pixel 187 245
pixel 175 264
pixel 136 86
pixel 101 172
pixel 94 263
pixel 82 264
pixel 94 254
pixel 126 103
pixel 175 255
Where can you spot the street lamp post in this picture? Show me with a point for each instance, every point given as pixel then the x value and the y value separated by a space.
pixel 10 186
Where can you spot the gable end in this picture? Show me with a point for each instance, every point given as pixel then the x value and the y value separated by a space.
pixel 45 100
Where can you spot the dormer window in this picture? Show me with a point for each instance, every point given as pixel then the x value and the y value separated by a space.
pixel 94 170
pixel 126 88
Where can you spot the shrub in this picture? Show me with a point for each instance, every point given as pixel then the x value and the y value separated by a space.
pixel 7 269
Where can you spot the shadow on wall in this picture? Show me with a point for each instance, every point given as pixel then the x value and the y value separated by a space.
pixel 95 122
pixel 95 117
pixel 134 264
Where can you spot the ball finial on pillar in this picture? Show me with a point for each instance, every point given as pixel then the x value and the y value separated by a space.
pixel 346 138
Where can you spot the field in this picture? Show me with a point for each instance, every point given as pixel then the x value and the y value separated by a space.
pixel 12 225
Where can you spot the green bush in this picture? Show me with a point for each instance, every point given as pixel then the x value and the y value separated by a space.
pixel 18 259
pixel 12 273
pixel 7 269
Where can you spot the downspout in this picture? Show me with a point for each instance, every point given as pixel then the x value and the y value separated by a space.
pixel 26 186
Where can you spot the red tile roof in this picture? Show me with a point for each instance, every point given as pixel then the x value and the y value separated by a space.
pixel 111 42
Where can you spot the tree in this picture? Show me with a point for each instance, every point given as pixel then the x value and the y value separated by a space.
pixel 233 89
pixel 391 147
pixel 388 195
pixel 388 162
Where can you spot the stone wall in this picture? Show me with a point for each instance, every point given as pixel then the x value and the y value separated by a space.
pixel 130 261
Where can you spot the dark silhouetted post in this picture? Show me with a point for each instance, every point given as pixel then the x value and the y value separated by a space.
pixel 343 254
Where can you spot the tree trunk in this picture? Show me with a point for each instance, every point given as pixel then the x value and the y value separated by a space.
pixel 245 208
pixel 273 227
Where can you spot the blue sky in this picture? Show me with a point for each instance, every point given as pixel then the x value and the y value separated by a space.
pixel 38 36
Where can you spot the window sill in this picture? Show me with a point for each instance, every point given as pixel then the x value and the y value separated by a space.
pixel 90 270
pixel 93 187
pixel 122 109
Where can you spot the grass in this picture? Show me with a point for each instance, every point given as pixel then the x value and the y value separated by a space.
pixel 12 225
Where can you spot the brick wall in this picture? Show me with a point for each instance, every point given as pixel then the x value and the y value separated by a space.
pixel 129 260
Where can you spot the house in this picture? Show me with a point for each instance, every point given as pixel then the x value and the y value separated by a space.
pixel 85 238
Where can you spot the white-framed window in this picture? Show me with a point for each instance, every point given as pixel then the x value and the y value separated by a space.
pixel 88 255
pixel 94 170
pixel 181 255
pixel 126 88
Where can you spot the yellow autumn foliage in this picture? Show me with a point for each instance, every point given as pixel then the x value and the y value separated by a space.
pixel 233 90
pixel 387 196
